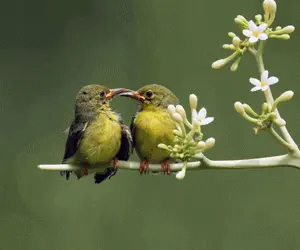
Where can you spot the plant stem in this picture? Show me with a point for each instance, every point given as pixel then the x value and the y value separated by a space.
pixel 270 100
pixel 279 139
pixel 203 164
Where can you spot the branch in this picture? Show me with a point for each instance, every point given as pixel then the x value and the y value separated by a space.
pixel 203 164
pixel 270 99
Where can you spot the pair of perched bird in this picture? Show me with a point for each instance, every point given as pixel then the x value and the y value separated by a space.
pixel 98 135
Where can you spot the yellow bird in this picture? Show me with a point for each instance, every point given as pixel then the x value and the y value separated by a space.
pixel 152 125
pixel 97 135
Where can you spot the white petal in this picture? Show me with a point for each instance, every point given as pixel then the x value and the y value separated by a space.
pixel 264 76
pixel 263 36
pixel 272 80
pixel 202 113
pixel 254 81
pixel 255 88
pixel 253 39
pixel 252 26
pixel 207 120
pixel 264 88
pixel 247 33
pixel 194 114
pixel 262 27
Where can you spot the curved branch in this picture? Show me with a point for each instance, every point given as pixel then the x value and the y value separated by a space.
pixel 203 164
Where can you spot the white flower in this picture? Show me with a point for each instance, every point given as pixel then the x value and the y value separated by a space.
pixel 264 82
pixel 201 117
pixel 256 33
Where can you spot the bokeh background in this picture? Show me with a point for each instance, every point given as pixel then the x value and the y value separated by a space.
pixel 50 49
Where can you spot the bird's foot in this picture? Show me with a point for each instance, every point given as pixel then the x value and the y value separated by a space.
pixel 84 171
pixel 165 167
pixel 66 173
pixel 115 168
pixel 144 167
pixel 115 164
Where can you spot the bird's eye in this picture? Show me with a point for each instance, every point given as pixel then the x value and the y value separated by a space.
pixel 102 93
pixel 149 93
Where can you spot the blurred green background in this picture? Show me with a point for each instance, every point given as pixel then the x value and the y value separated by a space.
pixel 50 49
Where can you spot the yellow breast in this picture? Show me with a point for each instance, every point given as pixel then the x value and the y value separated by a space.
pixel 151 128
pixel 102 139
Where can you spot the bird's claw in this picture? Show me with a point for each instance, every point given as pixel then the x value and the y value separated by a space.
pixel 84 171
pixel 144 167
pixel 115 164
pixel 115 168
pixel 66 173
pixel 165 167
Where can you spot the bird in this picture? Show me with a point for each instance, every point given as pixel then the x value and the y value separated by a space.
pixel 97 134
pixel 152 125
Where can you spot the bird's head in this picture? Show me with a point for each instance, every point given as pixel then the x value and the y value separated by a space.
pixel 95 97
pixel 153 96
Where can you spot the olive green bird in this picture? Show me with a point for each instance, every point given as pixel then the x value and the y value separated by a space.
pixel 97 135
pixel 152 125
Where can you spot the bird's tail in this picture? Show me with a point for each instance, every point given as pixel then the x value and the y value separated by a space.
pixel 99 177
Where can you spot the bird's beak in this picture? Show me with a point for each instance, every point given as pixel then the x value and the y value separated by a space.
pixel 113 92
pixel 134 95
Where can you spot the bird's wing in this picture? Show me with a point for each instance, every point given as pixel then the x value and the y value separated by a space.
pixel 75 135
pixel 132 128
pixel 126 148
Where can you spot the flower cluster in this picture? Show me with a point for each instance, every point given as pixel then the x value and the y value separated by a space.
pixel 268 114
pixel 187 144
pixel 254 31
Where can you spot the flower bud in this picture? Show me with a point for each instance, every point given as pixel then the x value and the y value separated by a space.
pixel 265 107
pixel 193 101
pixel 236 41
pixel 287 95
pixel 219 64
pixel 258 18
pixel 270 6
pixel 171 109
pixel 201 145
pixel 177 117
pixel 181 111
pixel 280 122
pixel 282 37
pixel 163 146
pixel 231 34
pixel 249 110
pixel 288 29
pixel 181 174
pixel 177 132
pixel 228 46
pixel 235 65
pixel 209 143
pixel 241 21
pixel 239 108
